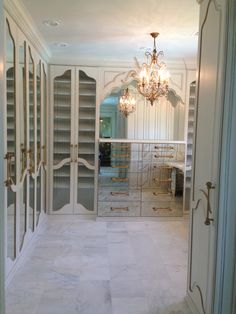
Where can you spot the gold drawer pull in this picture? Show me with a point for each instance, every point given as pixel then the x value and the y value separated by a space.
pixel 120 166
pixel 161 193
pixel 120 193
pixel 119 179
pixel 164 180
pixel 162 167
pixel 121 155
pixel 156 209
pixel 164 147
pixel 120 209
pixel 164 156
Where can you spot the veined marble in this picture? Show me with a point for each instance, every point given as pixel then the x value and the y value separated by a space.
pixel 97 267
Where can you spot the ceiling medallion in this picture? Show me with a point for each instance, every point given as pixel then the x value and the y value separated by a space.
pixel 127 103
pixel 153 79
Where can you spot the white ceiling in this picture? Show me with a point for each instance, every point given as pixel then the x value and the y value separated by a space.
pixel 103 31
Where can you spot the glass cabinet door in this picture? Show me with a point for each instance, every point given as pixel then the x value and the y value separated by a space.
pixel 86 140
pixel 31 141
pixel 11 143
pixel 38 138
pixel 23 140
pixel 62 148
pixel 44 157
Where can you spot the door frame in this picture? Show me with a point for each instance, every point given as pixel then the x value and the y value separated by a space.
pixel 2 214
pixel 225 286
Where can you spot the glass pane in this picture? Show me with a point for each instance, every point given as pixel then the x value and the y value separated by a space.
pixel 62 139
pixel 61 187
pixel 22 103
pixel 31 203
pixel 31 109
pixel 45 136
pixel 85 192
pixel 11 142
pixel 38 113
pixel 87 116
pixel 23 211
pixel 38 209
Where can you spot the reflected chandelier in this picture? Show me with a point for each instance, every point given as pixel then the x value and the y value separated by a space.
pixel 153 78
pixel 127 103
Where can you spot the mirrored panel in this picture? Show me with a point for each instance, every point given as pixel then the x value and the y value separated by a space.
pixel 11 142
pixel 31 202
pixel 165 120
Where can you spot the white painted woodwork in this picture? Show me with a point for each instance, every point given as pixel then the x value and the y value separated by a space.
pixel 210 89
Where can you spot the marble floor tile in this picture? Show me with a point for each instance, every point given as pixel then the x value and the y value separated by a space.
pixel 94 267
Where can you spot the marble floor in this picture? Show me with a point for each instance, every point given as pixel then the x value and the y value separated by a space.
pixel 103 267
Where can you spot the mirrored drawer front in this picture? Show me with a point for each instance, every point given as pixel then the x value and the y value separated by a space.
pixel 122 167
pixel 119 209
pixel 132 180
pixel 117 195
pixel 162 208
pixel 159 147
pixel 160 156
pixel 156 195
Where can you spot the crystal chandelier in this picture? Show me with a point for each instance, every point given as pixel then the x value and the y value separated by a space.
pixel 127 103
pixel 153 78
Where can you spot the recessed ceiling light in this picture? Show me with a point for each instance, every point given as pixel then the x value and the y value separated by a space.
pixel 62 45
pixel 51 23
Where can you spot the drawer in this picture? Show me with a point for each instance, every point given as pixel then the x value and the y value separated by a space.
pixel 116 194
pixel 129 180
pixel 156 195
pixel 118 166
pixel 119 209
pixel 162 208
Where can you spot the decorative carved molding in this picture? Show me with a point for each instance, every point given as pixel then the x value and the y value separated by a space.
pixel 17 12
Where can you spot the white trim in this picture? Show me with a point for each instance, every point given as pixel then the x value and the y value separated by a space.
pixel 23 19
pixel 108 140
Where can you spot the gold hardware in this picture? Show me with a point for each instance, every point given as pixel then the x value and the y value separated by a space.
pixel 164 180
pixel 31 165
pixel 120 193
pixel 156 209
pixel 164 156
pixel 164 147
pixel 9 180
pixel 207 195
pixel 162 167
pixel 121 166
pixel 23 155
pixel 119 179
pixel 76 154
pixel 120 209
pixel 121 155
pixel 161 193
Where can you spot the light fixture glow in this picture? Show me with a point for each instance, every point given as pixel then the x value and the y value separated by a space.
pixel 127 103
pixel 153 78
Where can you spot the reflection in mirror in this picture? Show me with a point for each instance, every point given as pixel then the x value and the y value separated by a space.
pixel 31 140
pixel 164 120
pixel 11 142
pixel 38 71
pixel 45 135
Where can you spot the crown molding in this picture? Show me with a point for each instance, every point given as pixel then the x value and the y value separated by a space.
pixel 22 18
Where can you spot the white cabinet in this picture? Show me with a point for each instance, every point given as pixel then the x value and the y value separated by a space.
pixel 73 124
